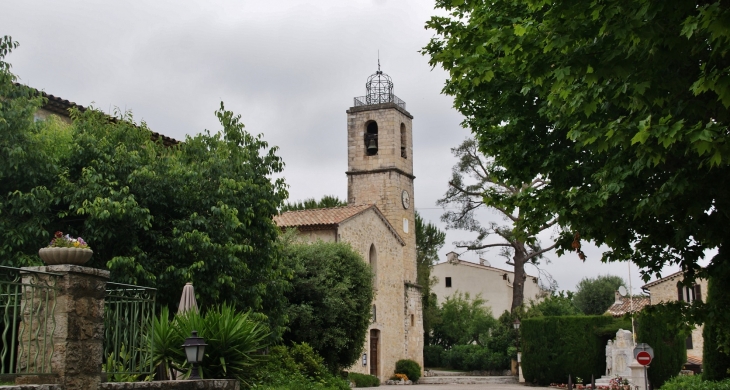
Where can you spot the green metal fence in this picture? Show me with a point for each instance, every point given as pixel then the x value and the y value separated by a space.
pixel 128 314
pixel 27 312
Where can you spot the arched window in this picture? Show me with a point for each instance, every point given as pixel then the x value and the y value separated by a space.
pixel 371 138
pixel 403 140
pixel 374 264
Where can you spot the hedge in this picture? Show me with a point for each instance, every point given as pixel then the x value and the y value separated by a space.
pixel 694 382
pixel 432 356
pixel 474 358
pixel 716 362
pixel 661 327
pixel 363 380
pixel 410 368
pixel 555 347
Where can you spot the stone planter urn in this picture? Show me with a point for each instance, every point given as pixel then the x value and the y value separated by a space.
pixel 55 256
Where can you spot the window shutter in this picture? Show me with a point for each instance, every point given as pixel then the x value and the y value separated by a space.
pixel 698 292
pixel 688 342
pixel 679 292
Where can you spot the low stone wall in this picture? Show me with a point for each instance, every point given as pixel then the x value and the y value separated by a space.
pixel 209 384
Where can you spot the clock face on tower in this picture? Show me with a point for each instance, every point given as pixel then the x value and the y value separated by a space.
pixel 405 199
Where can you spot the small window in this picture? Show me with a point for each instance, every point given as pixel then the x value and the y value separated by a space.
pixel 374 314
pixel 448 281
pixel 371 138
pixel 688 342
pixel 413 320
pixel 403 140
pixel 374 264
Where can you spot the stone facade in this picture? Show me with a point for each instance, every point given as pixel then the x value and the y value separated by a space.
pixel 493 284
pixel 78 338
pixel 379 223
pixel 667 290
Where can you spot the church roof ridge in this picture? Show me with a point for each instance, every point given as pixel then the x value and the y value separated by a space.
pixel 330 217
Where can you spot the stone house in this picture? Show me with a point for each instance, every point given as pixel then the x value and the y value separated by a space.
pixel 493 284
pixel 379 223
pixel 670 289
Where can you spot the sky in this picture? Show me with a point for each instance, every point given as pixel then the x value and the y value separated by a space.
pixel 290 68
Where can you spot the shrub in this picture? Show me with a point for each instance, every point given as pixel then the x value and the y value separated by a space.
pixel 433 355
pixel 363 380
pixel 661 327
pixel 297 368
pixel 474 357
pixel 408 367
pixel 555 347
pixel 716 364
pixel 694 382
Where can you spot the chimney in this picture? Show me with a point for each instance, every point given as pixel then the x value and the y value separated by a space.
pixel 617 296
pixel 452 257
pixel 484 262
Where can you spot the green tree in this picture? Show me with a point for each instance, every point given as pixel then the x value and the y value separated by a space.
pixel 463 321
pixel 593 296
pixel 311 203
pixel 157 216
pixel 330 302
pixel 556 304
pixel 623 106
pixel 662 327
pixel 715 353
pixel 475 184
pixel 429 239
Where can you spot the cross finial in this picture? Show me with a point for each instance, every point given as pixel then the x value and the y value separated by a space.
pixel 378 60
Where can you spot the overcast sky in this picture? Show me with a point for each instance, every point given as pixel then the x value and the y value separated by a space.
pixel 289 67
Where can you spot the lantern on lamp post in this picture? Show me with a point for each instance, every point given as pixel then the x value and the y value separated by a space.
pixel 194 352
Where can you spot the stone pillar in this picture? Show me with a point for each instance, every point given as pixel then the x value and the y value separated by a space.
pixel 637 376
pixel 77 343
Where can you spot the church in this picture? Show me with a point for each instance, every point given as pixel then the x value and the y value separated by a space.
pixel 379 223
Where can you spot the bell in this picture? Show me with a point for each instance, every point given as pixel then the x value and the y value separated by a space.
pixel 372 146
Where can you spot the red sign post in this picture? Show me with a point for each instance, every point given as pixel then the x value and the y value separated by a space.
pixel 643 358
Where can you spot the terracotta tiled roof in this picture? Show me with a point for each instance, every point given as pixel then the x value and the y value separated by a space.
pixel 328 218
pixel 618 309
pixel 60 106
pixel 692 359
pixel 319 217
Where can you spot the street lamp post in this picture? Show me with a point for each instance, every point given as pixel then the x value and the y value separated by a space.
pixel 516 325
pixel 194 352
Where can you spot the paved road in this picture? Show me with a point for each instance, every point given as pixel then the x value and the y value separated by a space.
pixel 514 386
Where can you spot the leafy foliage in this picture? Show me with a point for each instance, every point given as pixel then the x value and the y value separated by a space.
pixel 620 105
pixel 311 203
pixel 476 183
pixel 362 380
pixel 200 211
pixel 233 340
pixel 593 296
pixel 474 358
pixel 433 356
pixel 555 347
pixel 409 367
pixel 663 328
pixel 556 304
pixel 715 352
pixel 429 239
pixel 463 321
pixel 297 367
pixel 695 382
pixel 330 300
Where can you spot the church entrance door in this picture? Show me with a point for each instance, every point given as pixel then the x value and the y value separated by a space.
pixel 374 341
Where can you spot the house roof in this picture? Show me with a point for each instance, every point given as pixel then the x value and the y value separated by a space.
pixel 622 307
pixel 480 266
pixel 61 107
pixel 329 218
pixel 658 281
pixel 693 359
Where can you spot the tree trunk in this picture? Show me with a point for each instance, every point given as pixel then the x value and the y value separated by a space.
pixel 518 285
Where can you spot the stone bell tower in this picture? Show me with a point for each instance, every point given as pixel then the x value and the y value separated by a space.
pixel 380 160
pixel 380 172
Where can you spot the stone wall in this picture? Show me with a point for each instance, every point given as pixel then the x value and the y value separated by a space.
pixel 208 384
pixel 666 291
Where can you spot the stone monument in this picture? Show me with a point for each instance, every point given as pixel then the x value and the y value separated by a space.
pixel 619 356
